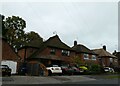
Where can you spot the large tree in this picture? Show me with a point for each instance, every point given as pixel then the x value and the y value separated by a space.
pixel 33 39
pixel 13 31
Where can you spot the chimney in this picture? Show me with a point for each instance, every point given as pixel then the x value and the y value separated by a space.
pixel 104 47
pixel 75 43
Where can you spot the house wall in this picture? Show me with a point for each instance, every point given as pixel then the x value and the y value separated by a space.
pixel 105 61
pixel 7 51
pixel 88 61
pixel 29 51
pixel 57 54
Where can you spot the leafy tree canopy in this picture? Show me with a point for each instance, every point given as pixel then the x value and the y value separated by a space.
pixel 13 31
pixel 33 39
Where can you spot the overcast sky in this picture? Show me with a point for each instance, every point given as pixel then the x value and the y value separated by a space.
pixel 92 24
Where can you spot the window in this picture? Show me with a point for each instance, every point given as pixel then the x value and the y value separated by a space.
pixel 65 53
pixel 86 56
pixel 52 51
pixel 93 57
pixel 111 59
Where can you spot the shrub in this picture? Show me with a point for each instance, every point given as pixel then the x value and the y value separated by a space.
pixel 95 69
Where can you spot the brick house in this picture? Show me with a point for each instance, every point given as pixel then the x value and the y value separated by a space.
pixel 53 51
pixel 105 58
pixel 86 55
pixel 8 56
pixel 117 54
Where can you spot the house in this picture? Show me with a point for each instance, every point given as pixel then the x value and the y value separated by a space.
pixel 86 55
pixel 53 51
pixel 8 56
pixel 117 60
pixel 105 58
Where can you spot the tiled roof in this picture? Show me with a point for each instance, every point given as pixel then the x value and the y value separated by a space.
pixel 102 53
pixel 82 49
pixel 56 42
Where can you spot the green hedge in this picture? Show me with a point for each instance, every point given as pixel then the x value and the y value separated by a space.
pixel 95 69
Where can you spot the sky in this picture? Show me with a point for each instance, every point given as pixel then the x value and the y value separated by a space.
pixel 92 24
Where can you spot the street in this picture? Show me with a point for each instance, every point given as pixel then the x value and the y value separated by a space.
pixel 75 79
pixel 43 80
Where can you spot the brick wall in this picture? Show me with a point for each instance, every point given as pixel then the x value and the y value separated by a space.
pixel 7 51
pixel 81 55
pixel 29 52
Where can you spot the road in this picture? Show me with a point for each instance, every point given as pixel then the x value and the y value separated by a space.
pixel 60 80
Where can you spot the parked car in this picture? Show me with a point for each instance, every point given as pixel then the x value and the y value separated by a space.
pixel 83 69
pixel 5 70
pixel 54 69
pixel 76 70
pixel 66 70
pixel 108 69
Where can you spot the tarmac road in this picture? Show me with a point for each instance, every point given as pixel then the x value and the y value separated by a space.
pixel 43 80
pixel 79 80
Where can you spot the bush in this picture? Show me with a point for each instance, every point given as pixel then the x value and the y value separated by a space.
pixel 95 69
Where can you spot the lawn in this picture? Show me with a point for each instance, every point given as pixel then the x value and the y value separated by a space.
pixel 112 77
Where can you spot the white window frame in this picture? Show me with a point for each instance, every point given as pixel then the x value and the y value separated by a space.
pixel 93 57
pixel 86 55
pixel 65 52
pixel 111 59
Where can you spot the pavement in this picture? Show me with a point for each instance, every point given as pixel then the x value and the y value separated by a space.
pixel 44 80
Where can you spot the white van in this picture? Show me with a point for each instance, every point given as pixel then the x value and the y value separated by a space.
pixel 10 64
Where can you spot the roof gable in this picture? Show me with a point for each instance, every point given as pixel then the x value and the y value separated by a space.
pixel 82 49
pixel 102 53
pixel 56 43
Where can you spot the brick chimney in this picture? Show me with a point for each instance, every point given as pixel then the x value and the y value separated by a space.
pixel 104 47
pixel 75 43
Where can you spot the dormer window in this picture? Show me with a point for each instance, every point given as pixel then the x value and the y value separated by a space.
pixel 52 51
pixel 65 53
pixel 86 56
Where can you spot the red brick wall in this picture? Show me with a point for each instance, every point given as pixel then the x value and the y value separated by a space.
pixel 105 61
pixel 21 53
pixel 7 51
pixel 58 53
pixel 81 55
pixel 29 52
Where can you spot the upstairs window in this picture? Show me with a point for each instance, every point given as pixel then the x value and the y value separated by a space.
pixel 93 57
pixel 86 56
pixel 52 51
pixel 111 59
pixel 65 53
